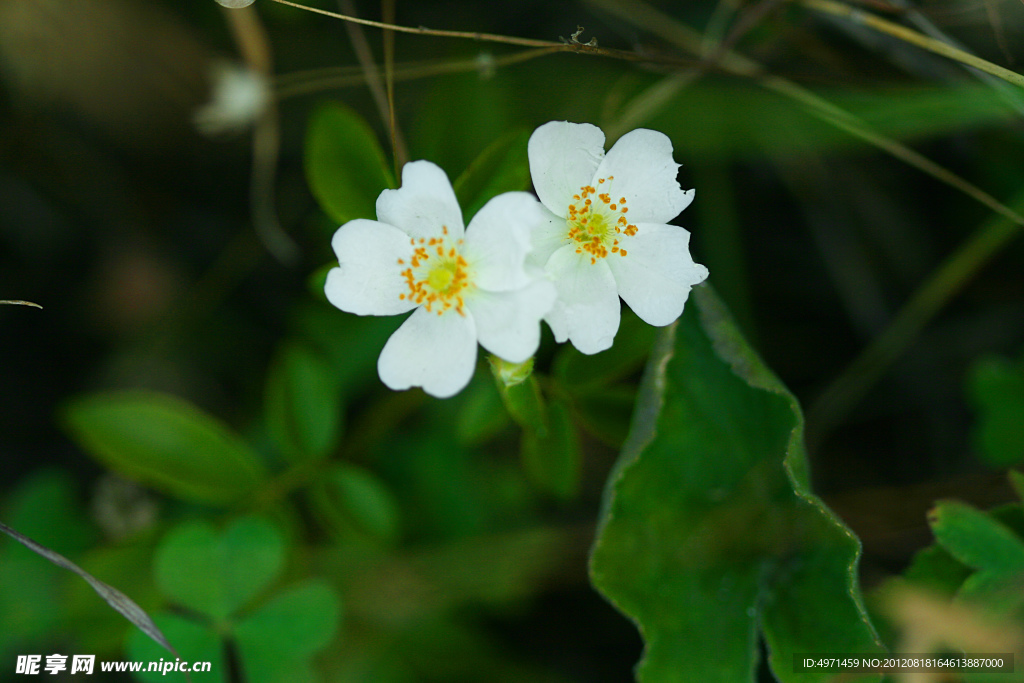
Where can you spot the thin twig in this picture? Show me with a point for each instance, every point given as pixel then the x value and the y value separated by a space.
pixel 17 302
pixel 399 153
pixel 299 83
pixel 567 46
pixel 371 76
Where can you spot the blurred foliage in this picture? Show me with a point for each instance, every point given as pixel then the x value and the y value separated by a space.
pixel 996 388
pixel 288 518
pixel 962 593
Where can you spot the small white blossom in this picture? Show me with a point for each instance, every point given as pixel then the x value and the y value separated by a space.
pixel 238 97
pixel 605 233
pixel 466 285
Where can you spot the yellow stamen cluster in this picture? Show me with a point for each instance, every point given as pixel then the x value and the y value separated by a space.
pixel 436 274
pixel 596 226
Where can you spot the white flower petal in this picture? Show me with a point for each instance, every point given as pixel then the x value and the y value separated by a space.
pixel 656 274
pixel 423 204
pixel 498 240
pixel 508 323
pixel 563 157
pixel 645 174
pixel 368 280
pixel 587 308
pixel 549 235
pixel 436 352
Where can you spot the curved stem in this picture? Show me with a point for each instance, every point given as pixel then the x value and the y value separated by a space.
pixel 911 36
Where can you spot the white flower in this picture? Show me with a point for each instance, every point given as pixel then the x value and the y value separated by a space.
pixel 606 233
pixel 467 285
pixel 239 96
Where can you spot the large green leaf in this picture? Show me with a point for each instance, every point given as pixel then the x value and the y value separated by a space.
pixel 345 166
pixel 167 443
pixel 709 533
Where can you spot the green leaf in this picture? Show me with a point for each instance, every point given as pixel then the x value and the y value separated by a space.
pixel 355 504
pixel 275 640
pixel 935 569
pixel 502 167
pixel 996 388
pixel 194 643
pixel 216 574
pixel 165 442
pixel 302 404
pixel 977 539
pixel 551 456
pixel 997 592
pixel 345 165
pixel 709 532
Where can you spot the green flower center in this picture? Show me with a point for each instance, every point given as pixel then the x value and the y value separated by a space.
pixel 598 226
pixel 436 274
pixel 442 275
